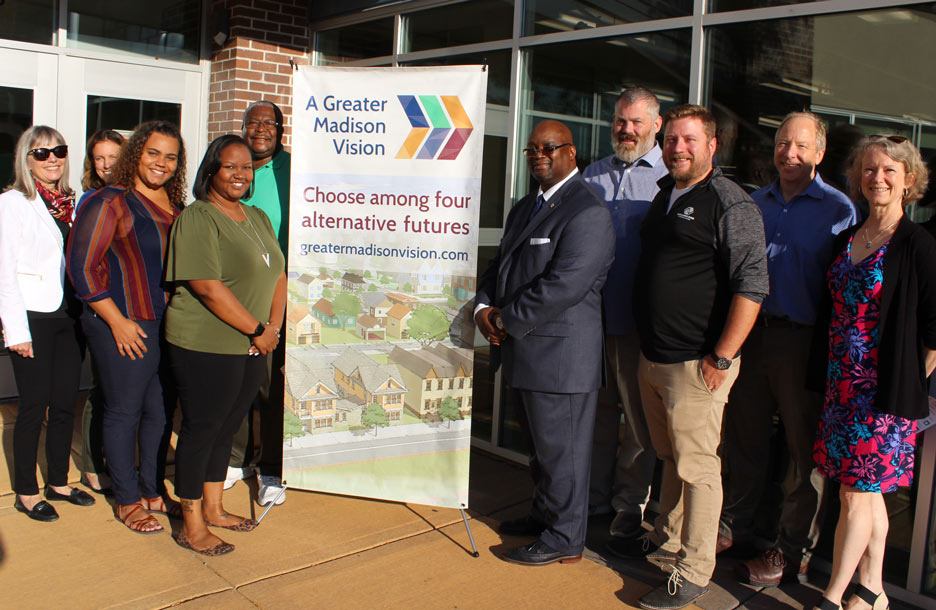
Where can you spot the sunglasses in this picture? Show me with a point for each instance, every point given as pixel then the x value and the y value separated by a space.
pixel 546 150
pixel 41 154
pixel 894 139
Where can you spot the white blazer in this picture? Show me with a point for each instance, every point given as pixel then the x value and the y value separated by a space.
pixel 32 263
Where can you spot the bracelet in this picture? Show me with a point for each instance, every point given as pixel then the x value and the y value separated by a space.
pixel 257 331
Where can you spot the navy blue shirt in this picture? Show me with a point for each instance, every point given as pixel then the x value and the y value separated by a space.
pixel 800 235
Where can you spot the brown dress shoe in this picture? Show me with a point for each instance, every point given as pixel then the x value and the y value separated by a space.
pixel 723 543
pixel 772 569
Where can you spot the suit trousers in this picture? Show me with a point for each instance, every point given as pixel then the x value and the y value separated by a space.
pixel 685 420
pixel 268 458
pixel 215 391
pixel 774 378
pixel 559 429
pixel 621 472
pixel 50 379
pixel 134 409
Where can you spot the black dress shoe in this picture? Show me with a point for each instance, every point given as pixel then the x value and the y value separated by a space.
pixel 76 497
pixel 524 526
pixel 538 554
pixel 42 511
pixel 104 491
pixel 631 548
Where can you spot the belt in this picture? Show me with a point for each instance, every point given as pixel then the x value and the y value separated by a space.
pixel 775 322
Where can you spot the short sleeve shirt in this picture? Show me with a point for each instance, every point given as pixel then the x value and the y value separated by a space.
pixel 207 245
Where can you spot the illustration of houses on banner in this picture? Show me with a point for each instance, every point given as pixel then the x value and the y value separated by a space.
pixel 463 288
pixel 302 328
pixel 376 304
pixel 311 394
pixel 433 374
pixel 311 286
pixel 398 298
pixel 370 328
pixel 397 318
pixel 352 282
pixel 324 311
pixel 363 381
pixel 429 279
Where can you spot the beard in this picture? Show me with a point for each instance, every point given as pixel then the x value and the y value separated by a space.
pixel 628 151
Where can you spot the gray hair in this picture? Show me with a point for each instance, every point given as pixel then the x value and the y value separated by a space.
pixel 23 180
pixel 637 93
pixel 821 128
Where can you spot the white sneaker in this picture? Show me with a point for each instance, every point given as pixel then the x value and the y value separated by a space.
pixel 236 474
pixel 270 488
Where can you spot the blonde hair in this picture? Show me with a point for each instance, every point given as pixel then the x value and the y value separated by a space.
pixel 23 180
pixel 902 151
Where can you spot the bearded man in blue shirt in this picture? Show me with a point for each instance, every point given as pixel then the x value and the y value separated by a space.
pixel 802 215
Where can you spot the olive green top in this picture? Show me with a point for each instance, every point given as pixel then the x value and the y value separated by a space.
pixel 207 245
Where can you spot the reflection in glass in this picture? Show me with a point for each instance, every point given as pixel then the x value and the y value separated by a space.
pixel 482 410
pixel 493 179
pixel 16 114
pixel 125 114
pixel 498 63
pixel 737 5
pixel 453 25
pixel 28 21
pixel 546 16
pixel 167 29
pixel 357 41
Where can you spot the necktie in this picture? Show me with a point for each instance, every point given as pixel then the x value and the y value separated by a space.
pixel 536 208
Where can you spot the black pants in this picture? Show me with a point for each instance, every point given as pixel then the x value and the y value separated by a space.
pixel 268 458
pixel 215 391
pixel 48 380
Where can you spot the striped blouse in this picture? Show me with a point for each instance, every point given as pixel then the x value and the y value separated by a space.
pixel 116 250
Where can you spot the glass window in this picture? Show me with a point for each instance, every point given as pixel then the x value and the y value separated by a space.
pixel 482 410
pixel 578 83
pixel 166 29
pixel 864 72
pixel 125 114
pixel 546 16
pixel 498 63
pixel 28 21
pixel 493 181
pixel 737 5
pixel 357 41
pixel 16 112
pixel 453 25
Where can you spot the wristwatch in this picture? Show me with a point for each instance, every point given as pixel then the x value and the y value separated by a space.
pixel 258 331
pixel 722 364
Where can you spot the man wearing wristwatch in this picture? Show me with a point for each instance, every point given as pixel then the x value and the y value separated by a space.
pixel 700 281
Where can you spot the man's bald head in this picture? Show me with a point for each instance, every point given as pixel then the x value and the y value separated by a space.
pixel 550 153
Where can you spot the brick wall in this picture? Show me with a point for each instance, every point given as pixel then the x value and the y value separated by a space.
pixel 254 62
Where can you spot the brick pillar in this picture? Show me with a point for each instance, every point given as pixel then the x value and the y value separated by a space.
pixel 254 62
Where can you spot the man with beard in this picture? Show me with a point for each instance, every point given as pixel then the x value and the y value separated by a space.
pixel 539 304
pixel 700 281
pixel 263 130
pixel 627 181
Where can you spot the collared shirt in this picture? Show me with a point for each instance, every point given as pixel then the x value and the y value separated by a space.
pixel 270 193
pixel 800 235
pixel 628 191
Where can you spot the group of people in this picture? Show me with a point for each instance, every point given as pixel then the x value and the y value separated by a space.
pixel 176 304
pixel 719 310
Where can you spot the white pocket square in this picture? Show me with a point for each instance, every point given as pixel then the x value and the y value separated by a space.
pixel 538 241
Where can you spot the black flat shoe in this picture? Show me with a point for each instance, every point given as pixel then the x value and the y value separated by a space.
pixel 104 491
pixel 42 511
pixel 76 497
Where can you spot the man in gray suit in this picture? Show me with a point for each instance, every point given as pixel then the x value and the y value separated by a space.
pixel 539 304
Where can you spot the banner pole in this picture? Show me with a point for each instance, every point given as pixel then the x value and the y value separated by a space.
pixel 272 504
pixel 474 548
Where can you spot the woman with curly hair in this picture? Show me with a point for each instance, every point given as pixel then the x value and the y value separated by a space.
pixel 115 260
pixel 877 343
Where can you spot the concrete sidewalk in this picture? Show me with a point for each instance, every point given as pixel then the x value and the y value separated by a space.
pixel 323 551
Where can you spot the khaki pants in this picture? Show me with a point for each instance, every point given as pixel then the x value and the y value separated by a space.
pixel 685 420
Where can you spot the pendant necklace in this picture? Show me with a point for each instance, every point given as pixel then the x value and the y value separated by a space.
pixel 265 254
pixel 881 232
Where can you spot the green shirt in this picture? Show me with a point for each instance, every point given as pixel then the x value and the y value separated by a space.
pixel 270 192
pixel 207 245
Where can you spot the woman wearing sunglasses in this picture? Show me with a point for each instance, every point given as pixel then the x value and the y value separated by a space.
pixel 40 313
pixel 878 346
pixel 115 259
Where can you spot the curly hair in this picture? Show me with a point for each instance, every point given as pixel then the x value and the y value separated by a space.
pixel 125 172
pixel 897 148
pixel 90 180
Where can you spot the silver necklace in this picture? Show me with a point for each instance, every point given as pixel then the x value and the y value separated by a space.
pixel 259 242
pixel 868 242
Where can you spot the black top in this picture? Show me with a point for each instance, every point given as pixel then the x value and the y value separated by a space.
pixel 907 327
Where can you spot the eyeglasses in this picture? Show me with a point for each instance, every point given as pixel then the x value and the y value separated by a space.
pixel 892 138
pixel 41 154
pixel 268 123
pixel 546 150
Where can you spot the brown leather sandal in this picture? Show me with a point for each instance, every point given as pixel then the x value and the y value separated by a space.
pixel 219 549
pixel 170 508
pixel 137 525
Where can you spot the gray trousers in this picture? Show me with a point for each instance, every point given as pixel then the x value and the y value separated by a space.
pixel 622 467
pixel 773 378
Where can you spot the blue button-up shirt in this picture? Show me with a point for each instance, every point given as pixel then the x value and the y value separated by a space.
pixel 628 191
pixel 799 236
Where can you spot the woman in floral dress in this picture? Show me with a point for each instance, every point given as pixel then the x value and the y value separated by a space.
pixel 881 346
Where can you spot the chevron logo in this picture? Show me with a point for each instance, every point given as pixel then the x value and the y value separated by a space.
pixel 440 127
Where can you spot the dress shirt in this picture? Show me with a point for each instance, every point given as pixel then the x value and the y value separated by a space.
pixel 800 235
pixel 628 191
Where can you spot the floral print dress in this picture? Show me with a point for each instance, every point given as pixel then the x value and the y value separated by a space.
pixel 857 445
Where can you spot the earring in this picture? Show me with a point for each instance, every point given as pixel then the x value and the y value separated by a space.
pixel 905 193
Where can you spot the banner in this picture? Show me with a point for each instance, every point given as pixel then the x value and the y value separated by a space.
pixel 383 235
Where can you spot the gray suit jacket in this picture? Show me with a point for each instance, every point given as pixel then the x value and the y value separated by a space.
pixel 546 278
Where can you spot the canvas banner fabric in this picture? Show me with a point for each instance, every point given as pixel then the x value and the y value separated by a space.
pixel 383 235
